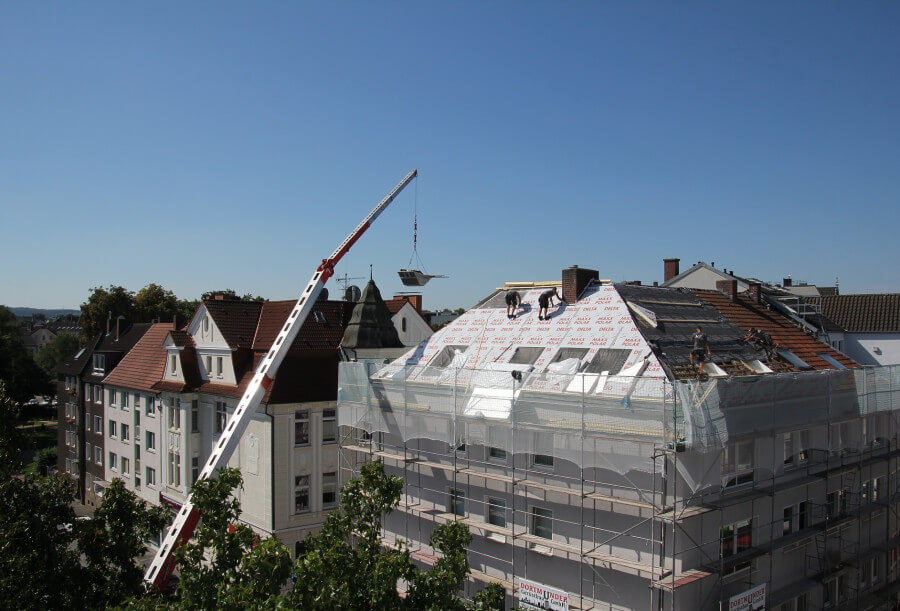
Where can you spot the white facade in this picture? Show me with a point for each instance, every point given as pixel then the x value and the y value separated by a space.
pixel 132 434
pixel 410 325
pixel 868 348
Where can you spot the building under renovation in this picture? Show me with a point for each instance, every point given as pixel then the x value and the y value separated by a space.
pixel 597 470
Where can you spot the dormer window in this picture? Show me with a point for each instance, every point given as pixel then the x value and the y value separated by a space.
pixel 99 363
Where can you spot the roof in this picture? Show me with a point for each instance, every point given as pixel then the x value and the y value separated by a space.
pixel 396 304
pixel 123 341
pixel 75 366
pixel 701 265
pixel 370 325
pixel 145 363
pixel 322 329
pixel 235 319
pixel 744 313
pixel 864 313
pixel 181 338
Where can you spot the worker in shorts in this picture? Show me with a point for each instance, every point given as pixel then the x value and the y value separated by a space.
pixel 545 301
pixel 512 302
pixel 701 350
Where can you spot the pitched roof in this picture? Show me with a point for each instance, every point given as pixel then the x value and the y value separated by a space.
pixel 75 366
pixel 396 304
pixel 123 341
pixel 865 313
pixel 144 364
pixel 322 330
pixel 746 314
pixel 370 325
pixel 181 338
pixel 235 319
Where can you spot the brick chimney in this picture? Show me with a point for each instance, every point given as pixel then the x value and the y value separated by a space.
pixel 574 281
pixel 787 282
pixel 414 300
pixel 755 292
pixel 670 269
pixel 729 287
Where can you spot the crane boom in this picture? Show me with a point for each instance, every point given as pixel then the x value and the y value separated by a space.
pixel 182 528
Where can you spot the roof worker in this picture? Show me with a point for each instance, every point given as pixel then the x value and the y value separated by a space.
pixel 512 302
pixel 761 340
pixel 545 301
pixel 701 350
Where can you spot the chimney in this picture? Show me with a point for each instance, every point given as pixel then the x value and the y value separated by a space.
pixel 787 282
pixel 414 300
pixel 574 281
pixel 729 287
pixel 175 321
pixel 118 325
pixel 670 269
pixel 755 292
pixel 108 322
pixel 655 283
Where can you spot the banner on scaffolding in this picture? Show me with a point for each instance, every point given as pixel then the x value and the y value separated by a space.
pixel 752 599
pixel 534 595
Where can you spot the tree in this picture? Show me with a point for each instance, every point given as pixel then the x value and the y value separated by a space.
pixel 155 302
pixel 230 293
pixel 50 356
pixel 103 303
pixel 346 566
pixel 23 377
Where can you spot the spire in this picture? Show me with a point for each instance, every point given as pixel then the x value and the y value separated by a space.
pixel 370 324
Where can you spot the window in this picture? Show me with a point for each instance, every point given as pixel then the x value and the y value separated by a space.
pixel 112 428
pixel 329 426
pixel 460 449
pixel 124 398
pixel 151 476
pixel 137 451
pixel 151 440
pixel 137 412
pixel 301 428
pixel 788 448
pixel 98 455
pixel 864 488
pixel 126 464
pixel 208 361
pixel 221 416
pixel 126 435
pixel 496 512
pixel 174 468
pixel 149 405
pixel 737 463
pixel 457 502
pixel 98 425
pixel 329 490
pixel 803 516
pixel 736 538
pixel 206 324
pixel 525 355
pixel 195 469
pixel 542 522
pixel 878 488
pixel 542 461
pixel 301 493
pixel 195 416
pixel 787 523
pixel 403 324
pixel 111 397
pixel 87 424
pixel 172 366
pixel 219 366
pixel 175 414
pixel 865 577
pixel 99 363
pixel 498 454
pixel 611 360
pixel 87 451
pixel 137 477
pixel 112 461
pixel 833 504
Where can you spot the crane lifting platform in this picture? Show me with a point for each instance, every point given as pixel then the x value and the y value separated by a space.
pixel 187 518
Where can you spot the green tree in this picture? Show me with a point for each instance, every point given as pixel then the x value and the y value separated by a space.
pixel 153 301
pixel 232 294
pixel 226 565
pixel 50 356
pixel 346 566
pixel 23 377
pixel 103 303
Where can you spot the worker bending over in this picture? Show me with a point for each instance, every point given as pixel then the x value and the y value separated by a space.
pixel 545 301
pixel 701 350
pixel 512 302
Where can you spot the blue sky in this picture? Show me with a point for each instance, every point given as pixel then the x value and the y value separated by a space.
pixel 207 145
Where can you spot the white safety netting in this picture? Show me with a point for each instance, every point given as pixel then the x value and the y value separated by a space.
pixel 616 422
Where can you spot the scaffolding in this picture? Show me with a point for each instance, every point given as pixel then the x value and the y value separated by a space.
pixel 645 470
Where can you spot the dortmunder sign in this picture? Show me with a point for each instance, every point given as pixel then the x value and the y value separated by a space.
pixel 534 595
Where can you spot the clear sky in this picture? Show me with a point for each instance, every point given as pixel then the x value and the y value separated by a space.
pixel 204 145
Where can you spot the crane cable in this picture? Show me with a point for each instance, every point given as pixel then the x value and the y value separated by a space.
pixel 415 252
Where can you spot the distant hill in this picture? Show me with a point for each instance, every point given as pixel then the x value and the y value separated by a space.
pixel 27 312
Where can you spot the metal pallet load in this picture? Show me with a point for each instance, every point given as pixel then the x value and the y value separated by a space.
pixel 182 528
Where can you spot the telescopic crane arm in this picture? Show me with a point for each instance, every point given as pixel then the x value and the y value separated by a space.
pixel 186 520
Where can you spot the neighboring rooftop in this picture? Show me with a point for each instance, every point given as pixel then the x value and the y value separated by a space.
pixel 235 319
pixel 370 324
pixel 864 313
pixel 145 363
pixel 322 330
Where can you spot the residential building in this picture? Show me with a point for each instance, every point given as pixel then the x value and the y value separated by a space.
pixel 406 314
pixel 590 459
pixel 865 327
pixel 71 433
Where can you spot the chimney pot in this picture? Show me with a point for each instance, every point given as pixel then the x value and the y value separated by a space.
pixel 574 281
pixel 670 268
pixel 655 283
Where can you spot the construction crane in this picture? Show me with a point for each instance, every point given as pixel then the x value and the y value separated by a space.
pixel 186 520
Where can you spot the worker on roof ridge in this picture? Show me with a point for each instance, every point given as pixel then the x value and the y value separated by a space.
pixel 512 302
pixel 701 350
pixel 545 301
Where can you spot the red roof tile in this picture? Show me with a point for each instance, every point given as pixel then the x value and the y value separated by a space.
pixel 864 313
pixel 394 305
pixel 143 365
pixel 744 313
pixel 313 335
pixel 235 319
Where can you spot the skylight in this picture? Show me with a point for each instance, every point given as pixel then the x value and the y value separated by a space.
pixel 319 316
pixel 80 352
pixel 794 360
pixel 831 360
